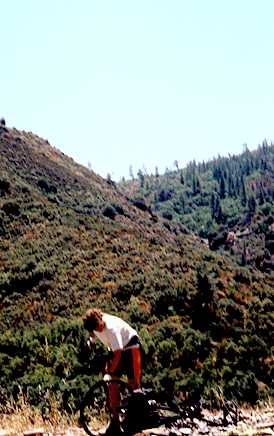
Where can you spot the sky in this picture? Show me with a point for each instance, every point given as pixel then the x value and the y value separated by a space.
pixel 121 83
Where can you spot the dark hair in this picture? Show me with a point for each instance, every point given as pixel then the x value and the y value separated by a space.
pixel 91 319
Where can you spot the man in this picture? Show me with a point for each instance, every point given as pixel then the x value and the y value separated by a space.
pixel 124 342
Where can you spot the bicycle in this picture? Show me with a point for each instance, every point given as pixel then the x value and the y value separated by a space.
pixel 139 409
pixel 144 408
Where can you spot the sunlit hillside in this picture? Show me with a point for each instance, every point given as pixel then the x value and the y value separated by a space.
pixel 69 240
pixel 227 202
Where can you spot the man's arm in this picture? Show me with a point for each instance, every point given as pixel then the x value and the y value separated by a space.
pixel 91 341
pixel 114 361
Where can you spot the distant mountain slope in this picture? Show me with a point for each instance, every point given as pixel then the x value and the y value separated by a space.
pixel 70 239
pixel 229 201
pixel 49 204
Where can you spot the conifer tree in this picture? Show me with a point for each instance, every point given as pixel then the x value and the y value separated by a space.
pixel 251 205
pixel 231 186
pixel 222 187
pixel 243 192
pixel 141 178
pixel 216 209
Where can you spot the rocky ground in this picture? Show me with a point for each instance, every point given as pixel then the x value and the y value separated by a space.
pixel 250 423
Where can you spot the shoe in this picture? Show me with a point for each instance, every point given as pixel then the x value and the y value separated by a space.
pixel 112 429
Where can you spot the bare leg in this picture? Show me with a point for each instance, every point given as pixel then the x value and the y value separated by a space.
pixel 135 382
pixel 114 399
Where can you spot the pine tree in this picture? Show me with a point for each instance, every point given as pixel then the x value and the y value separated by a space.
pixel 261 196
pixel 141 178
pixel 216 209
pixel 251 205
pixel 131 172
pixel 243 192
pixel 222 187
pixel 231 186
pixel 182 180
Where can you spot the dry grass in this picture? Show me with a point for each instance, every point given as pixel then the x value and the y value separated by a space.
pixel 20 416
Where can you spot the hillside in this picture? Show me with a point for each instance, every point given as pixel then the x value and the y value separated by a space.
pixel 69 240
pixel 227 202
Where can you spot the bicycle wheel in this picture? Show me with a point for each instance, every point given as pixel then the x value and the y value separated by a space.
pixel 144 412
pixel 95 413
pixel 162 414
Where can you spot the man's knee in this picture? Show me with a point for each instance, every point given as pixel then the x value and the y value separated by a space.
pixel 134 383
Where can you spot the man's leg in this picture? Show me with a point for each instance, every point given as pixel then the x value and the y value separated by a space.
pixel 113 428
pixel 134 378
pixel 114 399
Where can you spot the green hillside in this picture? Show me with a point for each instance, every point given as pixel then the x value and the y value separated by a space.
pixel 227 202
pixel 70 240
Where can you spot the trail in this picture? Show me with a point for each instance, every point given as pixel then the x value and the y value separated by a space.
pixel 251 423
pixel 254 422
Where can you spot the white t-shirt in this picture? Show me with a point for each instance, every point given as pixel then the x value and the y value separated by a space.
pixel 116 334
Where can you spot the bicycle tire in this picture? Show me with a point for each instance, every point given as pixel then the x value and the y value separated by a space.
pixel 163 415
pixel 94 410
pixel 145 412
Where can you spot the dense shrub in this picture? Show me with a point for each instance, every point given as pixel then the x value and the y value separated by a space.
pixel 167 215
pixel 4 187
pixel 140 204
pixel 11 208
pixel 109 212
pixel 47 187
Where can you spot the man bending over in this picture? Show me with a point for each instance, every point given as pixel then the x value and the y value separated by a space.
pixel 123 341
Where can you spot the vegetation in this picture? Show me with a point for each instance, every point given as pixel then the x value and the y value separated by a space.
pixel 70 240
pixel 229 202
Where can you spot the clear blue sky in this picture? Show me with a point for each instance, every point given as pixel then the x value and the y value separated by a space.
pixel 142 83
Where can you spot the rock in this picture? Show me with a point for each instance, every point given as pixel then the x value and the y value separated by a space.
pixel 161 431
pixel 185 430
pixel 35 432
pixel 268 424
pixel 6 433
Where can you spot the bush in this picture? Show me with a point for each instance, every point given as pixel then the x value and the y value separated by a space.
pixel 4 187
pixel 140 204
pixel 241 385
pixel 165 195
pixel 109 212
pixel 11 208
pixel 167 215
pixel 119 209
pixel 242 276
pixel 46 187
pixel 165 302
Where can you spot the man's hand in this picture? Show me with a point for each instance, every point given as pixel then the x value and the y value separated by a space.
pixel 107 377
pixel 89 344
